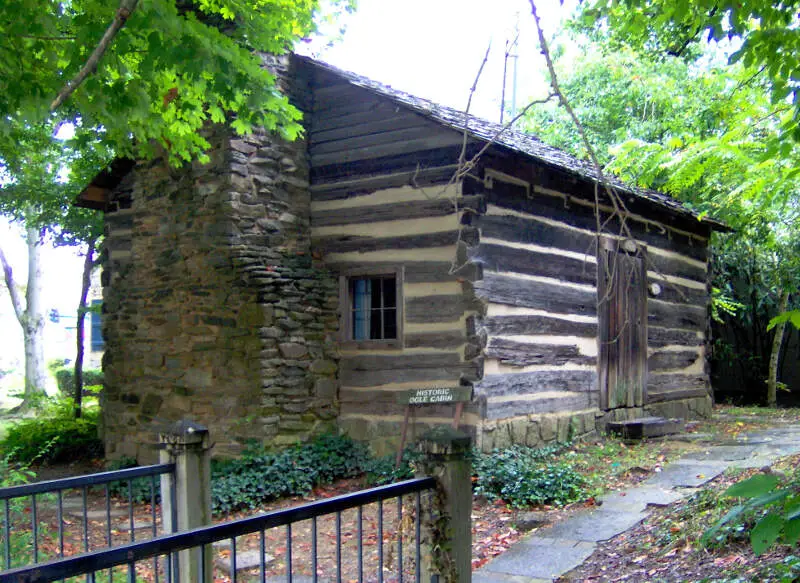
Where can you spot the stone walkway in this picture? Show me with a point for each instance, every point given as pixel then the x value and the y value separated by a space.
pixel 550 552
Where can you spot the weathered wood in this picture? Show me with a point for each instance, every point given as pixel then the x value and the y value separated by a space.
pixel 446 339
pixel 437 308
pixel 532 325
pixel 348 102
pixel 346 243
pixel 369 126
pixel 667 315
pixel 678 294
pixel 583 217
pixel 564 402
pixel 673 266
pixel 623 329
pixel 366 185
pixel 671 360
pixel 662 383
pixel 367 362
pixel 341 118
pixel 372 378
pixel 526 383
pixel 527 262
pixel 504 289
pixel 393 148
pixel 373 139
pixel 394 212
pixel 658 337
pixel 660 397
pixel 522 230
pixel 417 271
pixel 522 354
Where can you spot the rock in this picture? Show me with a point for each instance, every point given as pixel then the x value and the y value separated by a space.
pixel 528 520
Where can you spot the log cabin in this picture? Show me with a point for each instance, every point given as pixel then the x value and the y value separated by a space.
pixel 287 288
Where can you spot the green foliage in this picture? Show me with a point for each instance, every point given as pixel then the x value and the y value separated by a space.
pixel 65 379
pixel 523 476
pixel 54 435
pixel 770 513
pixel 141 491
pixel 260 476
pixel 792 316
pixel 384 470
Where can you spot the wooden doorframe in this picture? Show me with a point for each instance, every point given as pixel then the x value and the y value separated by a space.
pixel 622 322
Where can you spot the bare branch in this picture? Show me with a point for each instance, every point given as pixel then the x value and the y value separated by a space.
pixel 126 7
pixel 472 90
pixel 13 290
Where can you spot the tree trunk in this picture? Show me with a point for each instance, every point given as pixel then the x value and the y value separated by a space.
pixel 33 322
pixel 88 265
pixel 774 357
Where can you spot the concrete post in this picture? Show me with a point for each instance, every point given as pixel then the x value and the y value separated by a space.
pixel 447 538
pixel 186 444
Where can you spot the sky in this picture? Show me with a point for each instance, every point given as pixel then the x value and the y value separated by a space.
pixel 430 48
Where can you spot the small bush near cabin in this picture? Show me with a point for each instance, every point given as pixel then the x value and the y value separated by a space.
pixel 522 476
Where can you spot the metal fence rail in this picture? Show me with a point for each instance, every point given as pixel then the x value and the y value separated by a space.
pixel 27 512
pixel 201 539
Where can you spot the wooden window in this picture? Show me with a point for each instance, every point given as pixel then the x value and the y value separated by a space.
pixel 97 341
pixel 372 308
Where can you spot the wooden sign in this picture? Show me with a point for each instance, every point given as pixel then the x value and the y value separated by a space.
pixel 436 395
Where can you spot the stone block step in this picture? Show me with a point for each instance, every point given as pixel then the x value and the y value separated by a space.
pixel 646 427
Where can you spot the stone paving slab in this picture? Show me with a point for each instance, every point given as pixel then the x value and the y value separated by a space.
pixel 594 525
pixel 723 453
pixel 537 561
pixel 245 560
pixel 687 473
pixel 637 499
pixel 491 577
pixel 99 514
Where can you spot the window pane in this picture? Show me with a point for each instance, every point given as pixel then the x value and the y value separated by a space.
pixel 390 324
pixel 389 292
pixel 362 304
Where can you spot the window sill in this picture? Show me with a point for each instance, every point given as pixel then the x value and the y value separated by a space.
pixel 371 345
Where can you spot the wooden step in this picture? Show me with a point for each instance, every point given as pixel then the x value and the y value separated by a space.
pixel 646 427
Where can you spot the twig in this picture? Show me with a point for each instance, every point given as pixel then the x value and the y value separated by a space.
pixel 126 8
pixel 472 90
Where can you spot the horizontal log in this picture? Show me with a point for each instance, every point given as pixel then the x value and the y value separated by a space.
pixel 352 101
pixel 446 339
pixel 372 378
pixel 662 383
pixel 394 148
pixel 437 308
pixel 526 262
pixel 674 266
pixel 521 230
pixel 583 217
pixel 385 403
pixel 376 138
pixel 522 354
pixel 370 125
pixel 368 362
pixel 528 383
pixel 503 289
pixel 365 185
pixel 667 315
pixel 342 118
pixel 671 360
pixel 658 337
pixel 346 243
pixel 416 272
pixel 393 212
pixel 677 294
pixel 660 397
pixel 567 401
pixel 536 325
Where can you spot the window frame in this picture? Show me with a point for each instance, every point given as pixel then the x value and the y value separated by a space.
pixel 346 311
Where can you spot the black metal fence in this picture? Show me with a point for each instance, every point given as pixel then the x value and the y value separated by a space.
pixel 59 518
pixel 318 543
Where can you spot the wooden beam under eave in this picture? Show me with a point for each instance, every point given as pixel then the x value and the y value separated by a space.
pixel 93 197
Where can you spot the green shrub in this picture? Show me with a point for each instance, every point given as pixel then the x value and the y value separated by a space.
pixel 65 379
pixel 141 488
pixel 54 435
pixel 260 476
pixel 384 470
pixel 523 476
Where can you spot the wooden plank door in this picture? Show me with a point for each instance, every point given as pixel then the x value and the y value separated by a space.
pixel 622 307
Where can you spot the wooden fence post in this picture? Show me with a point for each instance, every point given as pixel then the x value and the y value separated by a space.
pixel 447 537
pixel 186 494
